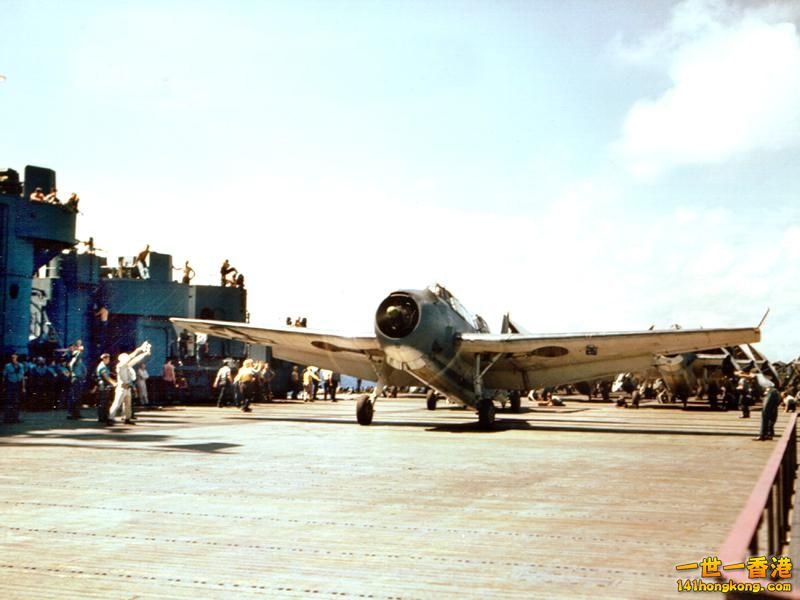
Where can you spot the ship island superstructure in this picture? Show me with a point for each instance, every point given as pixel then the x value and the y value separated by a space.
pixel 55 290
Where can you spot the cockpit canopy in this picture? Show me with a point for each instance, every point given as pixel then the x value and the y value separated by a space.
pixel 444 294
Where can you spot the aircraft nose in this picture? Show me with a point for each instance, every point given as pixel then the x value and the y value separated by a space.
pixel 397 316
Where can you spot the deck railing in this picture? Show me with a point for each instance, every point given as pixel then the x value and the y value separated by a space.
pixel 762 527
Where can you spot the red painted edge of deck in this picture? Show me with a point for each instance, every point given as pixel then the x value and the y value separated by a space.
pixel 737 545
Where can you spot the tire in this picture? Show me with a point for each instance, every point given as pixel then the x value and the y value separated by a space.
pixel 486 414
pixel 516 403
pixel 430 400
pixel 364 410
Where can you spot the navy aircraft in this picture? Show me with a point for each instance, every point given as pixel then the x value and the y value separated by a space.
pixel 685 374
pixel 427 336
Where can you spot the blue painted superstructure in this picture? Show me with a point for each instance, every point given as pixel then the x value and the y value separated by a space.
pixel 31 234
pixel 78 285
pixel 44 309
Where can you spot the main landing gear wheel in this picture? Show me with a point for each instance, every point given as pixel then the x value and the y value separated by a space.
pixel 364 410
pixel 515 401
pixel 430 399
pixel 486 414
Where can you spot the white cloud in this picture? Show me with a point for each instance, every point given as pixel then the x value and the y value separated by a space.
pixel 735 88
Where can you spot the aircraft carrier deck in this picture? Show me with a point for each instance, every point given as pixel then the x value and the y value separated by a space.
pixel 295 500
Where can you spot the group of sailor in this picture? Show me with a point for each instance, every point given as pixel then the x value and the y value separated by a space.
pixel 64 382
pixel 38 195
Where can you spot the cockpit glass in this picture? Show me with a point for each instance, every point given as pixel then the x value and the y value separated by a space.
pixel 442 293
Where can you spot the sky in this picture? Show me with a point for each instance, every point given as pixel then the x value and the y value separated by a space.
pixel 586 165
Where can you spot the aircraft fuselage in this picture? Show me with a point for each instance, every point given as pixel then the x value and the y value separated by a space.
pixel 417 331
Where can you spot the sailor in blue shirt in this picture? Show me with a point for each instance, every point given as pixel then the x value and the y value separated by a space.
pixel 105 388
pixel 78 372
pixel 14 380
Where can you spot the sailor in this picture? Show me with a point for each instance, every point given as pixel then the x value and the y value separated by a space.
pixel 266 375
pixel 73 201
pixel 141 384
pixel 37 195
pixel 325 375
pixel 743 392
pixel 188 272
pixel 126 377
pixel 52 197
pixel 728 398
pixel 789 401
pixel 605 391
pixel 141 262
pixel 712 391
pixel 333 384
pixel 168 379
pixel 309 378
pixel 14 379
pixel 246 380
pixel 636 397
pixel 769 414
pixel 224 383
pixel 201 345
pixel 77 381
pixel 40 385
pixel 223 272
pixel 105 388
pixel 294 382
pixel 60 374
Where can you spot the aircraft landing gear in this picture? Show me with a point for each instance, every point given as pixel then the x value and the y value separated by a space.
pixel 430 399
pixel 365 405
pixel 515 401
pixel 485 407
pixel 486 413
pixel 365 409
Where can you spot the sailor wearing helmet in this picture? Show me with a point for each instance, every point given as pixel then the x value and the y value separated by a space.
pixel 125 381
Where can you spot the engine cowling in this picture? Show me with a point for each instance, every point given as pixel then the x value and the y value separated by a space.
pixel 397 316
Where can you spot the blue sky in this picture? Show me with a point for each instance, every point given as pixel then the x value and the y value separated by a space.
pixel 599 165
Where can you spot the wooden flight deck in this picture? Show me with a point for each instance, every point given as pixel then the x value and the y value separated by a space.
pixel 295 500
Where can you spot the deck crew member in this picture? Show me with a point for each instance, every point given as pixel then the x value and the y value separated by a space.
pixel 224 383
pixel 769 414
pixel 126 377
pixel 105 388
pixel 77 381
pixel 168 378
pixel 141 262
pixel 310 378
pixel 246 380
pixel 188 272
pixel 14 379
pixel 141 384
pixel 223 272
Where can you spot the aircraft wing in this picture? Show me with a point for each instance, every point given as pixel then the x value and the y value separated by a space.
pixel 342 354
pixel 526 361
